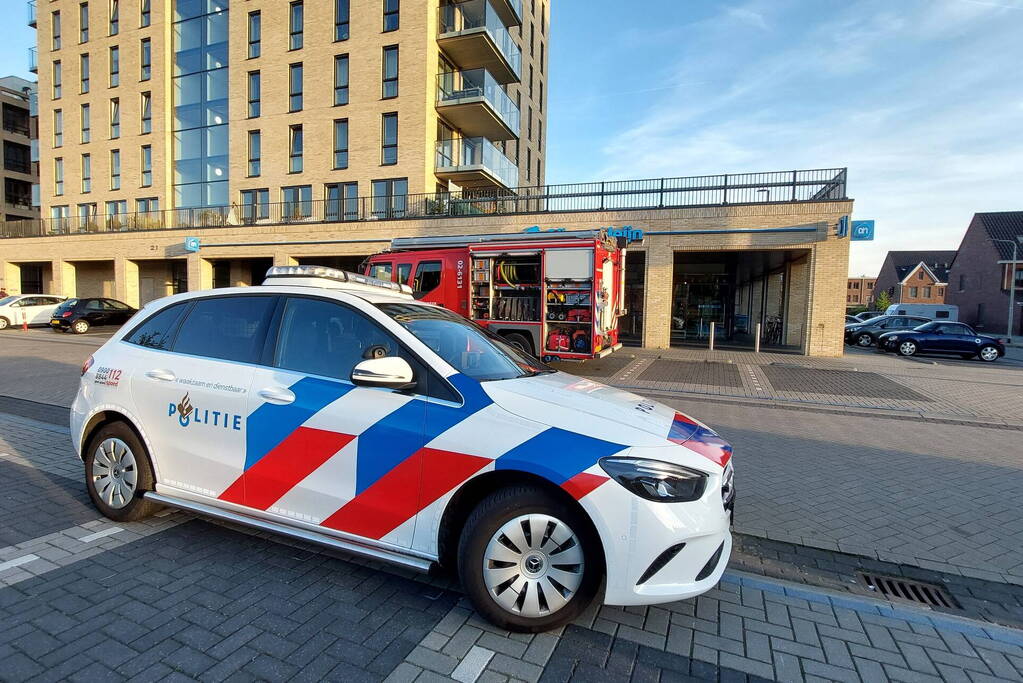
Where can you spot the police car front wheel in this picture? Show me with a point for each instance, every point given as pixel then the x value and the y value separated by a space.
pixel 118 473
pixel 528 561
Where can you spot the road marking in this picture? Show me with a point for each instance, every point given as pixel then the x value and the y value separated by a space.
pixel 753 378
pixel 17 562
pixel 100 534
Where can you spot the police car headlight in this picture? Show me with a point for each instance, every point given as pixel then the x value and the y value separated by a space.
pixel 655 480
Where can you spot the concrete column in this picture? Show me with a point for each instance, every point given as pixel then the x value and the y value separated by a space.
pixel 10 278
pixel 660 261
pixel 200 273
pixel 126 281
pixel 241 275
pixel 829 268
pixel 65 278
pixel 798 277
pixel 281 258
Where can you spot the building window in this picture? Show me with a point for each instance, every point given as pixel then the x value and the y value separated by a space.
pixel 115 118
pixel 83 22
pixel 114 209
pixel 295 147
pixel 927 292
pixel 540 100
pixel 115 18
pixel 295 88
pixel 58 128
pixel 342 15
pixel 147 113
pixel 147 166
pixel 920 275
pixel 870 285
pixel 254 94
pixel 86 123
pixel 145 14
pixel 856 285
pixel 55 30
pixel 58 86
pixel 390 88
pixel 541 56
pixel 298 201
pixel 255 153
pixel 147 205
pixel 115 169
pixel 389 197
pixel 58 176
pixel 86 173
pixel 962 283
pixel 529 123
pixel 296 25
pixel 342 202
pixel 529 163
pixel 87 217
pixel 115 66
pixel 340 80
pixel 255 34
pixel 389 139
pixel 147 59
pixel 941 290
pixel 255 204
pixel 391 15
pixel 84 66
pixel 341 143
pixel 914 292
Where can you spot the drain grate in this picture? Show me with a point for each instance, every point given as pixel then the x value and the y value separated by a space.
pixel 898 588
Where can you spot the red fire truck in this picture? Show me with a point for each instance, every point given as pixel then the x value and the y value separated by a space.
pixel 552 294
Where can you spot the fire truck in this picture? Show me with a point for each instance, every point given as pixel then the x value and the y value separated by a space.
pixel 556 295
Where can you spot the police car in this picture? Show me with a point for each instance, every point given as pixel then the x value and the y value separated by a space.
pixel 335 408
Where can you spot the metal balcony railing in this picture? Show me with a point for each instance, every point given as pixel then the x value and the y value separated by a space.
pixel 32 13
pixel 33 60
pixel 458 87
pixel 456 18
pixel 476 154
pixel 778 187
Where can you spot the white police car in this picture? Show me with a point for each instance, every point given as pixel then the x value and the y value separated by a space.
pixel 334 408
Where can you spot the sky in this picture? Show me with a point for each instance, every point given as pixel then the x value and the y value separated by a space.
pixel 921 99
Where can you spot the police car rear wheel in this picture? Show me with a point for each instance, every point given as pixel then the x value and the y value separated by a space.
pixel 528 561
pixel 988 354
pixel 118 473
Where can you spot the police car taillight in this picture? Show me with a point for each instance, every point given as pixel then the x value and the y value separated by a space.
pixel 86 365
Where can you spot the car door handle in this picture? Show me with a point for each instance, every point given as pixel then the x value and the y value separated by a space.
pixel 277 395
pixel 163 375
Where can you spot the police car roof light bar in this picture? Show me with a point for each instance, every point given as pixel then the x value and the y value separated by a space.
pixel 325 273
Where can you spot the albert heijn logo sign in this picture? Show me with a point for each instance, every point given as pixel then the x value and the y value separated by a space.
pixel 629 233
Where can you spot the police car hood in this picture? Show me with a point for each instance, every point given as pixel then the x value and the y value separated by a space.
pixel 581 405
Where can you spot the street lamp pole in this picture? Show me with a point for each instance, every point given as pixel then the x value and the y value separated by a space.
pixel 1012 283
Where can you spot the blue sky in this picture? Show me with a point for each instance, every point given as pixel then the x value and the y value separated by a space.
pixel 921 99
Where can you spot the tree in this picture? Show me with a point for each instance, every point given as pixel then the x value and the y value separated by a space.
pixel 882 301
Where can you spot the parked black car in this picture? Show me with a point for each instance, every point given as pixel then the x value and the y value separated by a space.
pixel 78 315
pixel 867 315
pixel 941 337
pixel 866 333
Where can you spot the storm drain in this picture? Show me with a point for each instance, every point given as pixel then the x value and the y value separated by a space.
pixel 898 588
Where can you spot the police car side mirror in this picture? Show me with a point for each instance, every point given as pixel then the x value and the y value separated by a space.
pixel 390 372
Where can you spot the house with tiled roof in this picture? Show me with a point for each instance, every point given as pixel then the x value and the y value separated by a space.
pixel 980 276
pixel 915 277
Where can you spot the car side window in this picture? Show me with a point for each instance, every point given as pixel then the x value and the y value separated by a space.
pixel 380 271
pixel 157 331
pixel 231 328
pixel 32 301
pixel 404 270
pixel 427 278
pixel 95 305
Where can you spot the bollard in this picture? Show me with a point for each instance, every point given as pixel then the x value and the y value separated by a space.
pixel 711 335
pixel 756 340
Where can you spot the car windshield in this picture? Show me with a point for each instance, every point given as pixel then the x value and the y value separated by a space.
pixel 6 300
pixel 871 321
pixel 466 346
pixel 67 305
pixel 926 327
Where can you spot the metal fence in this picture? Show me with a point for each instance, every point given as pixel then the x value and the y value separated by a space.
pixel 776 187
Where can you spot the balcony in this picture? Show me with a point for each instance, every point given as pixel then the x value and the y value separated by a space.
pixel 472 34
pixel 33 60
pixel 474 103
pixel 474 163
pixel 32 13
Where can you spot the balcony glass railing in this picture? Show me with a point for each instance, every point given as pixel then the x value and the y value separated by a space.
pixel 470 153
pixel 31 12
pixel 473 14
pixel 453 87
pixel 33 60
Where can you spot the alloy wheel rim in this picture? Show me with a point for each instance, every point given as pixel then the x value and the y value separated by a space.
pixel 533 565
pixel 988 353
pixel 114 473
pixel 908 348
pixel 79 327
pixel 865 340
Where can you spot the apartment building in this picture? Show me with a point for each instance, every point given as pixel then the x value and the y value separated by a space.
pixel 915 277
pixel 859 291
pixel 20 171
pixel 271 107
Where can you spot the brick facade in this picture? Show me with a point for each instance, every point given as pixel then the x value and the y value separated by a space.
pixel 859 291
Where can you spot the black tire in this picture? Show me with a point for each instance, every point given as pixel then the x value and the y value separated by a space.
pixel 137 507
pixel 520 341
pixel 988 350
pixel 488 518
pixel 80 326
pixel 864 340
pixel 908 348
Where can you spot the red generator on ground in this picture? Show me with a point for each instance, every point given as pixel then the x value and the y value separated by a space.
pixel 552 294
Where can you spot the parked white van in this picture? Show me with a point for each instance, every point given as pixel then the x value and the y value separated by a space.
pixel 932 311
